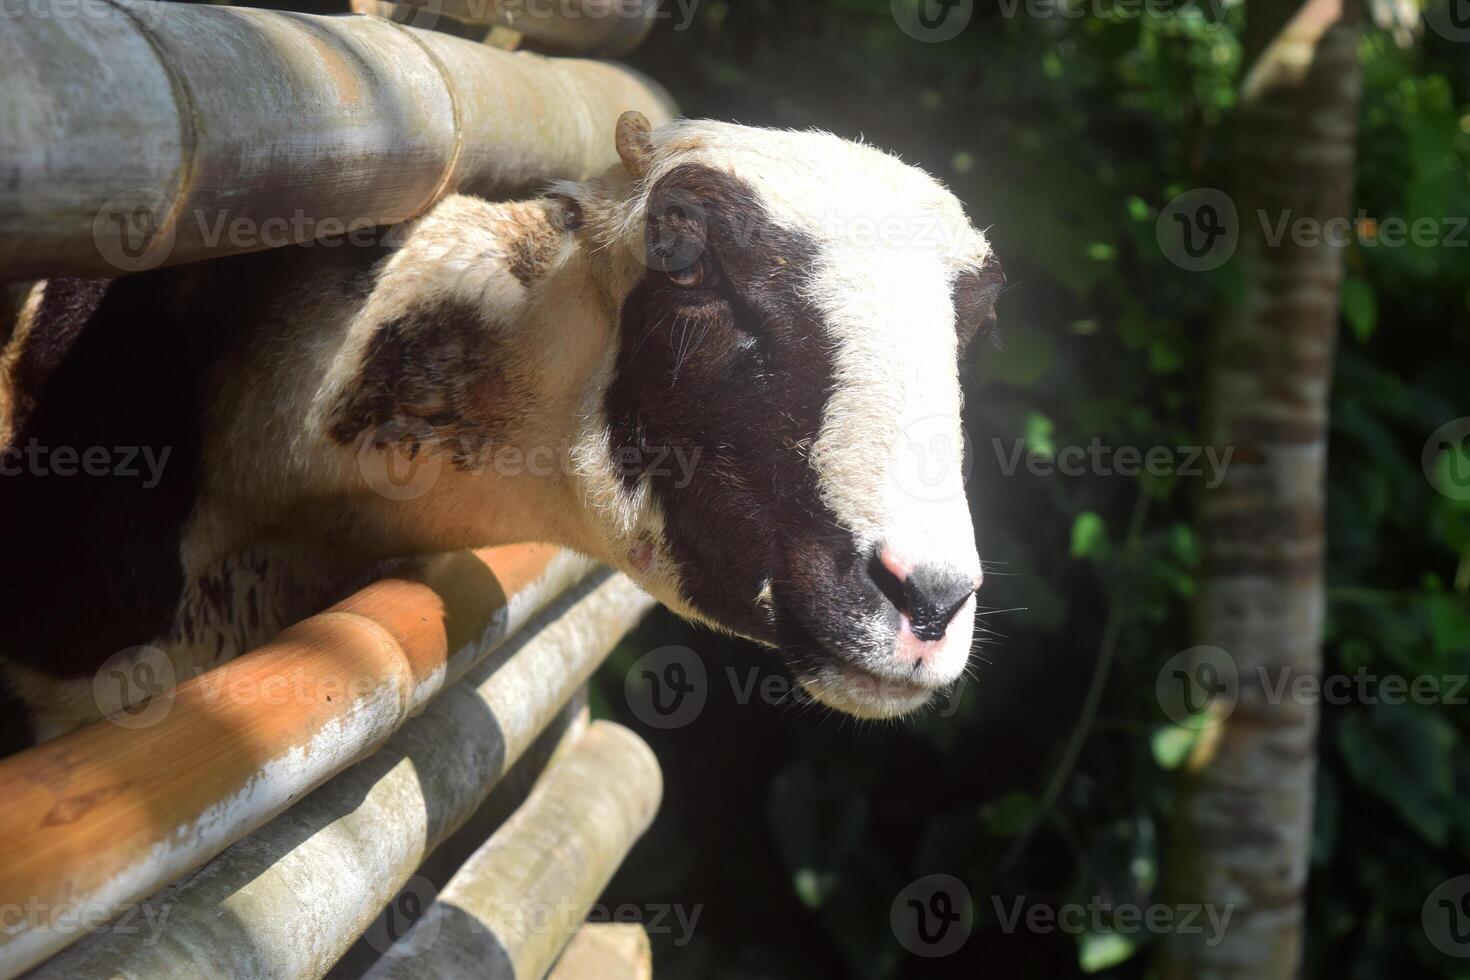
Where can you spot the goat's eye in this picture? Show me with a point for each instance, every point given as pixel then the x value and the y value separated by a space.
pixel 699 274
pixel 974 298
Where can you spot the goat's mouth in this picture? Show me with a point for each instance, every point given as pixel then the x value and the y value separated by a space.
pixel 864 694
pixel 864 667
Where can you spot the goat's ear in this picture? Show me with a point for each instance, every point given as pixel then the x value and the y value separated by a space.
pixel 975 293
pixel 634 147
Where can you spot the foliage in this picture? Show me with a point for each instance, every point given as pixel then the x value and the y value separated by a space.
pixel 1067 136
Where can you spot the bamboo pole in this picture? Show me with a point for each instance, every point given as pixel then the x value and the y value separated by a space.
pixel 106 815
pixel 521 897
pixel 606 951
pixel 135 134
pixel 288 900
pixel 509 793
pixel 609 28
pixel 600 28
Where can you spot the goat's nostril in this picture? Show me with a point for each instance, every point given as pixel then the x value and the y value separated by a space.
pixel 934 595
pixel 929 595
pixel 889 582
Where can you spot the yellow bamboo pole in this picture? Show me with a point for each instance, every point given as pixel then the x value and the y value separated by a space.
pixel 105 816
pixel 606 951
pixel 518 900
pixel 608 28
pixel 290 899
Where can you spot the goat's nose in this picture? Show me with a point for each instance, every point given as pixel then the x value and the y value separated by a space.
pixel 929 594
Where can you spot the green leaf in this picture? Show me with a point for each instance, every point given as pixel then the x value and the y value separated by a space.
pixel 1098 951
pixel 1184 544
pixel 819 818
pixel 812 886
pixel 1009 815
pixel 1404 755
pixel 1029 355
pixel 1359 307
pixel 1089 536
pixel 1038 431
pixel 1449 623
pixel 1172 744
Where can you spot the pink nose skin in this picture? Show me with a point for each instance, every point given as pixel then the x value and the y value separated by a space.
pixel 928 598
pixel 897 565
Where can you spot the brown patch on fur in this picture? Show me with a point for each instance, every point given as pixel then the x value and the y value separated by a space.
pixel 529 257
pixel 534 239
pixel 439 372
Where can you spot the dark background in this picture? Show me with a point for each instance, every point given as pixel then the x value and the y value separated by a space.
pixel 793 830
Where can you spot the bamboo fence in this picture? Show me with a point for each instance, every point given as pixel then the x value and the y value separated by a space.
pixel 282 810
pixel 137 133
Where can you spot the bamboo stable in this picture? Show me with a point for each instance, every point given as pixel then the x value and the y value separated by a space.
pixel 281 804
pixel 290 899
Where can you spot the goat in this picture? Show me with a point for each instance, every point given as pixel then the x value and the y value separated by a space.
pixel 706 367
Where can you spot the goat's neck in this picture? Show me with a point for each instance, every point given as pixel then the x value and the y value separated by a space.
pixel 460 405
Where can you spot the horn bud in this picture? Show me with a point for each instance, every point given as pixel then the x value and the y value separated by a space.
pixel 634 147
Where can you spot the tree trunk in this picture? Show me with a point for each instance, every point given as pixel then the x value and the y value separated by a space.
pixel 1242 833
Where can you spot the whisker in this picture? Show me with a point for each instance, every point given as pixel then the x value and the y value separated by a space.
pixel 996 612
